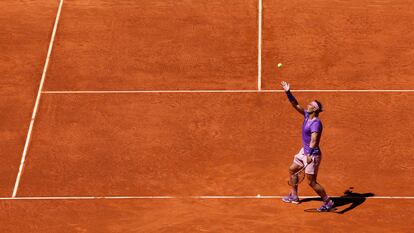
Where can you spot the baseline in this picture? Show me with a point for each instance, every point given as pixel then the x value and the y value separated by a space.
pixel 212 91
pixel 189 197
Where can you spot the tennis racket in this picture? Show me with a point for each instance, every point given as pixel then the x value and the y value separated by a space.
pixel 299 174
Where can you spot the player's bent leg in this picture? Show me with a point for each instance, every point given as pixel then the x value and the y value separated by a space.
pixel 294 168
pixel 293 196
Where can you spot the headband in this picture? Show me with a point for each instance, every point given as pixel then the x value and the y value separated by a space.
pixel 314 104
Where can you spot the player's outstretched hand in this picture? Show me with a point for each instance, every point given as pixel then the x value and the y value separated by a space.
pixel 285 86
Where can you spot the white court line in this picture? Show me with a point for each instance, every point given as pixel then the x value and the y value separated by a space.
pixel 190 197
pixel 36 106
pixel 259 45
pixel 214 91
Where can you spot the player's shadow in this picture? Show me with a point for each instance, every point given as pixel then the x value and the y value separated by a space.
pixel 349 198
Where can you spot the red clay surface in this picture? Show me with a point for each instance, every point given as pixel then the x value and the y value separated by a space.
pixel 24 37
pixel 366 44
pixel 251 215
pixel 161 44
pixel 214 144
pixel 211 143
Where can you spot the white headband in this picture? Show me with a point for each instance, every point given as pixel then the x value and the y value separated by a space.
pixel 314 104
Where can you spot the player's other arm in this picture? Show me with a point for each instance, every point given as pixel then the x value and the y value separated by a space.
pixel 314 140
pixel 316 129
pixel 313 144
pixel 291 98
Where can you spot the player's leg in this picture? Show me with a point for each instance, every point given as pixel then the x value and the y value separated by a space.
pixel 294 168
pixel 328 204
pixel 318 188
pixel 312 174
pixel 293 195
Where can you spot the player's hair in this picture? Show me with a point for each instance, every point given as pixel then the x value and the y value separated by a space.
pixel 320 107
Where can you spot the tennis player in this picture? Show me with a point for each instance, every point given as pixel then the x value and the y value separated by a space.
pixel 310 154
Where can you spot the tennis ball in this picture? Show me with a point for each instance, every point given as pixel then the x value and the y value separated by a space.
pixel 258 195
pixel 279 65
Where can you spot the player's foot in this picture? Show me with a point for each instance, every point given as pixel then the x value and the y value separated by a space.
pixel 327 206
pixel 291 199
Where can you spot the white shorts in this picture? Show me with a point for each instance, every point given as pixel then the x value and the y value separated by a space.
pixel 312 168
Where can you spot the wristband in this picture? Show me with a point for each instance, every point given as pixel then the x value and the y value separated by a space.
pixel 290 96
pixel 311 151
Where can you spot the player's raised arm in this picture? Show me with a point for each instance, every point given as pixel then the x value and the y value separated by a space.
pixel 291 98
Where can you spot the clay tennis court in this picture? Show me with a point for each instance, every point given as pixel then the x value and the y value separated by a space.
pixel 168 116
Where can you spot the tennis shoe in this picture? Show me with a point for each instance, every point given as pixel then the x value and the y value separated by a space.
pixel 327 206
pixel 291 199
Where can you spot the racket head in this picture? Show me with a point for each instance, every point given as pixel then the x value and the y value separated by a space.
pixel 300 177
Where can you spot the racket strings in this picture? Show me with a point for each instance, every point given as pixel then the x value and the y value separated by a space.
pixel 297 178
